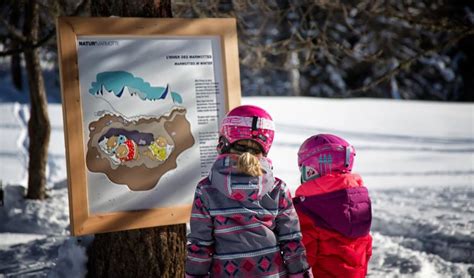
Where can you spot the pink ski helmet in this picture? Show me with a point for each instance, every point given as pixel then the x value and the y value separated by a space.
pixel 246 122
pixel 324 154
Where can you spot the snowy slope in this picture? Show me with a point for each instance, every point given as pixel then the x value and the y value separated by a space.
pixel 417 159
pixel 398 143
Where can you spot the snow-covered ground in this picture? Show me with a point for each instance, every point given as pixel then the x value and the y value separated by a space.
pixel 417 159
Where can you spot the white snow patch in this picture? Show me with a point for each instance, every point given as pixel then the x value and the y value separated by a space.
pixel 71 261
pixel 9 239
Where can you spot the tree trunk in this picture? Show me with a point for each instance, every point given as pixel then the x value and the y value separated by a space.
pixel 294 73
pixel 39 128
pixel 150 252
pixel 153 252
pixel 15 63
pixel 15 69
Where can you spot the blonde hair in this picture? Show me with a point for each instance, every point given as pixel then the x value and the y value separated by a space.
pixel 249 163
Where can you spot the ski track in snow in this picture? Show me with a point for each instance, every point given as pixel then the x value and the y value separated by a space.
pixel 49 219
pixel 423 232
pixel 418 231
pixel 31 259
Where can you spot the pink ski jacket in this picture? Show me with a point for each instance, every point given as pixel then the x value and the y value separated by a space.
pixel 335 215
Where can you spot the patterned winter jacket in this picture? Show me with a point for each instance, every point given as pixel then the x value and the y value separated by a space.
pixel 335 216
pixel 243 226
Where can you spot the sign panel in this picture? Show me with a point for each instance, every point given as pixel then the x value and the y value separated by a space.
pixel 142 102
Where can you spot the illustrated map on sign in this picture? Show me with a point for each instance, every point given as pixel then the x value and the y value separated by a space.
pixel 138 132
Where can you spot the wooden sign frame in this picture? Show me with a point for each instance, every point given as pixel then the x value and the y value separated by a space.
pixel 69 31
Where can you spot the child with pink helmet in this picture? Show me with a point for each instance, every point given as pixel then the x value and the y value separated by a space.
pixel 334 208
pixel 243 223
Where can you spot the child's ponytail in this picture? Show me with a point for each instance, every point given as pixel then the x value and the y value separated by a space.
pixel 249 164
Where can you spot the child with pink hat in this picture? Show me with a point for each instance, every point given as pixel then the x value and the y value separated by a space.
pixel 334 208
pixel 243 223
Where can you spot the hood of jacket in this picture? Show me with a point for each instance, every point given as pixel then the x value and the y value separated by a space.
pixel 329 183
pixel 226 178
pixel 342 204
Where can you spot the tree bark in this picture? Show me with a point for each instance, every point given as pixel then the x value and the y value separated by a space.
pixel 150 252
pixel 39 128
pixel 153 252
pixel 294 73
pixel 15 63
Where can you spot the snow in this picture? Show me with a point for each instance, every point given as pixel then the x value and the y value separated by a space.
pixel 11 127
pixel 398 143
pixel 9 239
pixel 417 159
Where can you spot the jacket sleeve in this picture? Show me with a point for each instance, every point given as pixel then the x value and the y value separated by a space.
pixel 289 235
pixel 200 241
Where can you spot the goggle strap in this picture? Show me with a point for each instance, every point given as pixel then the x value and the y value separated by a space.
pixel 254 123
pixel 348 156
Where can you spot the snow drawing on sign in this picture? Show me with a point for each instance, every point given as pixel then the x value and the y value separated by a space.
pixel 138 132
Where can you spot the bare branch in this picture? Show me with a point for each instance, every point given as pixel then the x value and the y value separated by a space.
pixel 407 63
pixel 15 34
pixel 42 41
